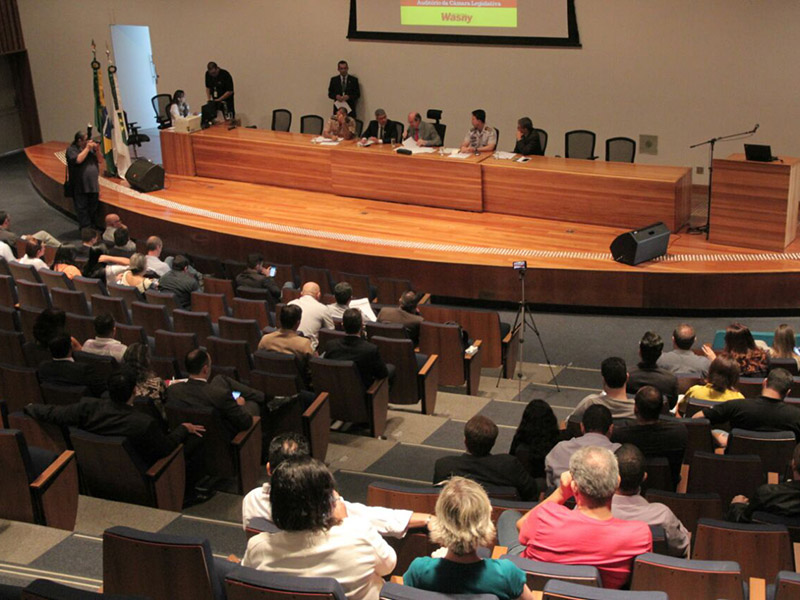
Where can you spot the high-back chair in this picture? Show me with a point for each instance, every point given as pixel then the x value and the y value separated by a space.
pixel 456 366
pixel 244 583
pixel 538 573
pixel 56 279
pixel 728 475
pixel 689 508
pixel 215 305
pixel 620 149
pixel 281 119
pixel 71 301
pixel 681 578
pixel 556 589
pixel 412 384
pixel 33 294
pixel 311 124
pixel 579 143
pixel 244 308
pixel 185 321
pixel 774 447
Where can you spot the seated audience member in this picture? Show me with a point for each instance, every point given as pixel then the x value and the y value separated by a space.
pixel 49 323
pixel 287 340
pixel 613 396
pixel 179 282
pixel 648 372
pixel 103 266
pixel 353 347
pixel 117 417
pixel 653 436
pixel 134 275
pixel 342 292
pixel 536 435
pixel 720 386
pixel 422 132
pixel 256 275
pixel 90 237
pixel 681 359
pixel 286 446
pixel 237 413
pixel 381 130
pixel 104 343
pixel 6 253
pixel 34 251
pixel 779 499
pixel 64 262
pixel 315 314
pixel 406 314
pixel 154 264
pixel 784 343
pixel 63 370
pixel 767 413
pixel 741 347
pixel 597 426
pixel 149 386
pixel 478 464
pixel 528 142
pixel 340 126
pixel 462 524
pixel 318 538
pixel 113 223
pixel 10 238
pixel 122 244
pixel 480 138
pixel 589 534
pixel 628 504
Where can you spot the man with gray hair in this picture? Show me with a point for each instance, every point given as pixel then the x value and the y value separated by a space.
pixel 586 535
pixel 382 130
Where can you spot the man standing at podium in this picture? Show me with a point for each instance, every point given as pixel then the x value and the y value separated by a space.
pixel 219 89
pixel 343 89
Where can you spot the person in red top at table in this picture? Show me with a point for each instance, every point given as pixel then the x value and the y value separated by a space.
pixel 587 534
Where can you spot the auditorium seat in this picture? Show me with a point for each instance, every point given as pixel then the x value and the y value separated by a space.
pixel 620 149
pixel 395 331
pixel 318 275
pixel 696 405
pixel 207 265
pixel 164 298
pixel 81 327
pixel 689 508
pixel 579 143
pixel 151 317
pixel 8 291
pixel 682 578
pixel 231 353
pixel 253 293
pixel 115 306
pixel 215 285
pixel 248 330
pixel 62 395
pixel 411 384
pixel 102 365
pixel 244 308
pixel 360 284
pixel 501 505
pixel 244 583
pixel 729 475
pixel 397 591
pixel 48 436
pixel 128 292
pixel 22 272
pixel 71 301
pixel 326 335
pixel 456 367
pixel 38 486
pixel 278 373
pixel 186 321
pixel 786 586
pixel 215 305
pixel 33 294
pixel 236 459
pixel 774 447
pixel 160 566
pixel 556 589
pixel 19 386
pixel 792 524
pixel 131 334
pixel 350 402
pixel 9 319
pixel 538 573
pixel 659 475
pixel 11 352
pixel 761 550
pixel 90 286
pixel 390 289
pixel 27 317
pixel 56 279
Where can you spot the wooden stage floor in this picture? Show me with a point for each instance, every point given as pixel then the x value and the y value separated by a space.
pixel 444 252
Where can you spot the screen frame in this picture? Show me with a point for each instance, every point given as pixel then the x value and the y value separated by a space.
pixel 571 41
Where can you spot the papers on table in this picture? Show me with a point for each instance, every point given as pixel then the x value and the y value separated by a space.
pixel 365 144
pixel 505 155
pixel 323 141
pixel 342 104
pixel 364 306
pixel 454 153
pixel 411 144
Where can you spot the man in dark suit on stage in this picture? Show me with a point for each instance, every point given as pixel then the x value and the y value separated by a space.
pixel 63 370
pixel 344 88
pixel 237 412
pixel 353 347
pixel 382 130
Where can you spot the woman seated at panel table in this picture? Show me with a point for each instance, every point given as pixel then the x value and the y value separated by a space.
pixel 340 126
pixel 178 107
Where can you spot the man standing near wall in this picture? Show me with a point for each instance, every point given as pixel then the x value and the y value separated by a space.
pixel 344 88
pixel 219 89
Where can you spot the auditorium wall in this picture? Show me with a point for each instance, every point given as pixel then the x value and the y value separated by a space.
pixel 682 70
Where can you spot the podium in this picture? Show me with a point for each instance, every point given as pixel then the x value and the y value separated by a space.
pixel 755 204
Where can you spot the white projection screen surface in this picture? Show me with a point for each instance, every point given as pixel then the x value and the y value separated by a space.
pixel 498 22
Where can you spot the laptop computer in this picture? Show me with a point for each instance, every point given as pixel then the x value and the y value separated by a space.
pixel 759 153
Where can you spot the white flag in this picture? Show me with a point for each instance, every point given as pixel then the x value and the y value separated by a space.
pixel 119 137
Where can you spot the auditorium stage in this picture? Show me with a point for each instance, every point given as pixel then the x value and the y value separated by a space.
pixel 445 252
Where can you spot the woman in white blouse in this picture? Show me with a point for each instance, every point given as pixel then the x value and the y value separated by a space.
pixel 178 107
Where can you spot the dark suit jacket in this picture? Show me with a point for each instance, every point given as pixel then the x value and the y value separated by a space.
pixel 494 469
pixel 780 499
pixel 659 378
pixel 390 131
pixel 365 354
pixel 667 439
pixel 394 314
pixel 352 89
pixel 529 145
pixel 64 372
pixel 200 394
pixel 104 417
pixel 252 278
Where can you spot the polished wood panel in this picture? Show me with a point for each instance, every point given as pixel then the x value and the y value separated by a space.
pixel 754 204
pixel 259 156
pixel 379 173
pixel 585 191
pixel 177 152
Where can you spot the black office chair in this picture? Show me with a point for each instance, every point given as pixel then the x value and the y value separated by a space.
pixel 281 119
pixel 542 139
pixel 359 127
pixel 400 129
pixel 497 138
pixel 311 124
pixel 160 104
pixel 620 149
pixel 436 115
pixel 135 138
pixel 579 143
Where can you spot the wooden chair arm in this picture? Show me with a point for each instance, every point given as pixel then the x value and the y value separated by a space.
pixel 378 405
pixel 43 481
pixel 376 386
pixel 398 579
pixel 315 407
pixel 428 365
pixel 428 384
pixel 55 493
pixel 477 344
pixel 511 335
pixel 241 438
pixel 162 464
pixel 247 454
pixel 167 479
pixel 499 551
pixel 472 369
pixel 425 299
pixel 758 588
pixel 317 425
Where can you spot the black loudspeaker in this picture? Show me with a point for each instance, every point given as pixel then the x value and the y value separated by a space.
pixel 639 245
pixel 145 176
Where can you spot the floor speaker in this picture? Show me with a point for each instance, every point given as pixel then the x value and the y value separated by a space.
pixel 145 176
pixel 640 245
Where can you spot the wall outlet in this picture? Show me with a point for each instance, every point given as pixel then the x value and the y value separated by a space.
pixel 648 144
pixel 699 170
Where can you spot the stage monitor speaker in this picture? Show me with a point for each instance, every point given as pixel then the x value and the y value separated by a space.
pixel 640 245
pixel 145 176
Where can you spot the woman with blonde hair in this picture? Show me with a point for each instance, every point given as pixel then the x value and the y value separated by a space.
pixel 134 275
pixel 463 522
pixel 784 343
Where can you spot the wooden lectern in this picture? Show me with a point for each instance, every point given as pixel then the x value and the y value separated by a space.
pixel 755 204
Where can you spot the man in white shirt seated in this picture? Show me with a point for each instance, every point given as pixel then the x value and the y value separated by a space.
pixel 154 262
pixel 386 521
pixel 343 292
pixel 628 504
pixel 315 313
pixel 104 343
pixel 34 251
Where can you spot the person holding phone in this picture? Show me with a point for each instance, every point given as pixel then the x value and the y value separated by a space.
pixel 258 276
pixel 84 173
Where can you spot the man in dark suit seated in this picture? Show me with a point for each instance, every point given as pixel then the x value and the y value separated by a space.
pixel 406 314
pixel 381 130
pixel 236 403
pixel 478 464
pixel 353 347
pixel 63 370
pixel 256 275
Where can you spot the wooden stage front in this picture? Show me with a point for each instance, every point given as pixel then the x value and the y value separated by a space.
pixel 443 251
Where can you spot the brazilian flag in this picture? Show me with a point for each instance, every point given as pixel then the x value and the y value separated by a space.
pixel 102 123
